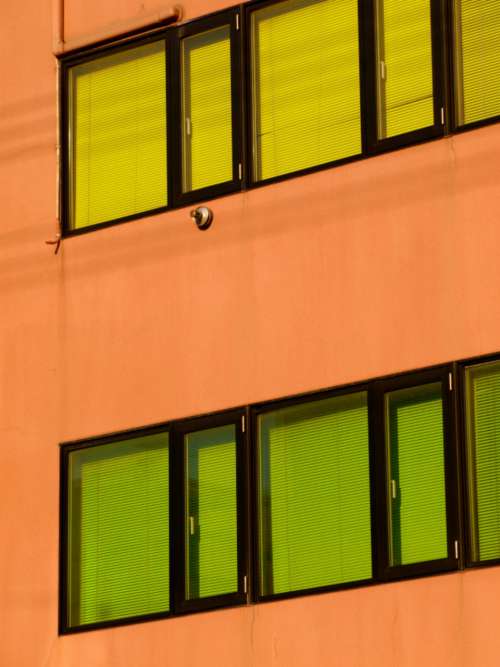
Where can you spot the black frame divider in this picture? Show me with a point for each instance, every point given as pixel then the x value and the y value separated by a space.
pixel 437 129
pixel 231 18
pixel 180 430
pixel 444 376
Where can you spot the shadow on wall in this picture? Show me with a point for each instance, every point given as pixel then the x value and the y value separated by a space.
pixel 28 127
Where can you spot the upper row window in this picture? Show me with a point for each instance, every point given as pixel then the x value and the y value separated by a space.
pixel 160 123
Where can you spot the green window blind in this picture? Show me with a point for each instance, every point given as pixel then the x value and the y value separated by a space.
pixel 404 45
pixel 477 59
pixel 314 495
pixel 305 80
pixel 207 109
pixel 118 534
pixel 416 488
pixel 483 458
pixel 118 135
pixel 211 513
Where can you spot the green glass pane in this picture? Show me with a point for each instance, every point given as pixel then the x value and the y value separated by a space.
pixel 211 513
pixel 483 458
pixel 118 533
pixel 477 59
pixel 305 83
pixel 416 488
pixel 118 135
pixel 206 109
pixel 404 45
pixel 314 495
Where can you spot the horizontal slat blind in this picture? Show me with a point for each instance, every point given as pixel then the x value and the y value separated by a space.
pixel 483 453
pixel 416 453
pixel 405 66
pixel 118 132
pixel 314 495
pixel 119 530
pixel 477 59
pixel 211 524
pixel 306 99
pixel 207 109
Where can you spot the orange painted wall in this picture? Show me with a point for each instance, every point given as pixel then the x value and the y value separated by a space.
pixel 383 265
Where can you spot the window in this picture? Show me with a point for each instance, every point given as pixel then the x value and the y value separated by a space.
pixel 163 122
pixel 405 100
pixel 305 85
pixel 482 410
pixel 419 477
pixel 154 524
pixel 117 132
pixel 117 555
pixel 314 495
pixel 211 540
pixel 337 489
pixel 477 60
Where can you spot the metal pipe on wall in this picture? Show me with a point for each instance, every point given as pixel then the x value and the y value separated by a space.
pixel 116 30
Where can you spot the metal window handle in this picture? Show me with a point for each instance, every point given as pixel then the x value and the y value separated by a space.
pixel 383 70
pixel 188 127
pixel 191 525
pixel 394 491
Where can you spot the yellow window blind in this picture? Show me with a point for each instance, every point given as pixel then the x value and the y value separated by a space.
pixel 404 45
pixel 118 135
pixel 477 59
pixel 305 77
pixel 207 109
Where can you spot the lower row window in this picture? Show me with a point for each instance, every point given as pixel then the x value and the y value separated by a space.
pixel 351 486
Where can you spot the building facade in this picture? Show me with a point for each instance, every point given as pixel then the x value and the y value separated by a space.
pixel 347 285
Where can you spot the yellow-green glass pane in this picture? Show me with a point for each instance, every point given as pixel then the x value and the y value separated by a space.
pixel 477 59
pixel 118 533
pixel 404 46
pixel 211 513
pixel 206 109
pixel 483 458
pixel 416 480
pixel 305 82
pixel 118 138
pixel 314 495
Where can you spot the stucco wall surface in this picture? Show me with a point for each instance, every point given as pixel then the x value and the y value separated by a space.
pixel 383 265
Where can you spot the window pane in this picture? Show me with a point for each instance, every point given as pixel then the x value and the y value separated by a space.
pixel 211 513
pixel 483 458
pixel 314 495
pixel 118 539
pixel 416 489
pixel 404 45
pixel 118 135
pixel 206 109
pixel 305 85
pixel 477 59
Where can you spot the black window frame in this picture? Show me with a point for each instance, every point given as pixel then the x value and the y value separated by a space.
pixel 175 431
pixel 463 365
pixel 453 561
pixel 279 404
pixel 179 430
pixel 230 17
pixel 171 36
pixel 252 182
pixel 64 540
pixel 66 166
pixel 374 145
pixel 455 126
